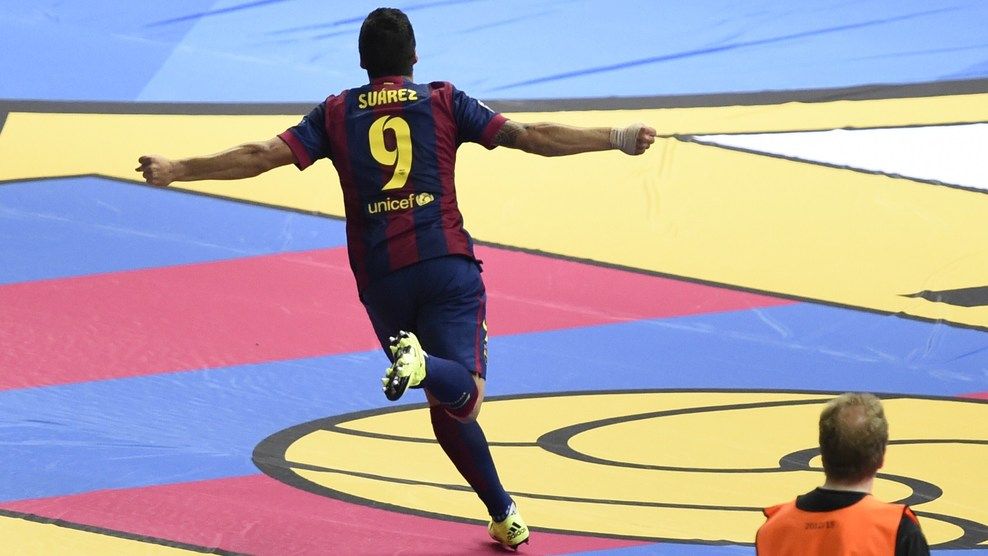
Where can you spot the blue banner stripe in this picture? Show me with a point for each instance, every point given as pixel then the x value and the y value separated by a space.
pixel 204 425
pixel 85 225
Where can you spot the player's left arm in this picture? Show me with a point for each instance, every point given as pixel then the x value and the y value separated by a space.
pixel 243 161
pixel 552 139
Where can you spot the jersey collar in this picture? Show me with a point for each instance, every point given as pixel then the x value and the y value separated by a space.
pixel 398 79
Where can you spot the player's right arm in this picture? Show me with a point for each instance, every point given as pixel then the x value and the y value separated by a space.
pixel 550 139
pixel 243 161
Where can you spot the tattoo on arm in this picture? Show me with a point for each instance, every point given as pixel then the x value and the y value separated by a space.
pixel 508 134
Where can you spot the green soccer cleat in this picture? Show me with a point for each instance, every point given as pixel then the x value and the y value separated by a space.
pixel 408 369
pixel 511 532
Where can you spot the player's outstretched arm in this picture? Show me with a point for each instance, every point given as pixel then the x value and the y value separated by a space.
pixel 550 139
pixel 243 161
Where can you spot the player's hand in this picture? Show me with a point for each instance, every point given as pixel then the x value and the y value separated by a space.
pixel 644 139
pixel 157 170
pixel 634 139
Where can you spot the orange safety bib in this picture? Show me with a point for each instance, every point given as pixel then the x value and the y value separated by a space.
pixel 867 527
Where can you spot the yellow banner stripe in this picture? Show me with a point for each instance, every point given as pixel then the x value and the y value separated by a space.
pixel 690 210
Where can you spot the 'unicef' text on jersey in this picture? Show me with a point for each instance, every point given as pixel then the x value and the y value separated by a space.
pixel 402 203
pixel 371 99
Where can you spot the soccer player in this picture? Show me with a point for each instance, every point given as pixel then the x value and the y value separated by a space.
pixel 393 142
pixel 842 517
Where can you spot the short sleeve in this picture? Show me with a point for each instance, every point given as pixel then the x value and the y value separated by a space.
pixel 307 139
pixel 476 122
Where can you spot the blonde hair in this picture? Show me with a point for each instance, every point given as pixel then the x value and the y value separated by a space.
pixel 853 437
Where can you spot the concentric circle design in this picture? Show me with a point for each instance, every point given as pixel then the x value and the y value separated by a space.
pixel 688 466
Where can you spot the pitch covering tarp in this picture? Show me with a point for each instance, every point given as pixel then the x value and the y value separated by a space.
pixel 189 369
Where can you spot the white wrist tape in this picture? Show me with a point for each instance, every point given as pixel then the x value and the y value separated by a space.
pixel 626 138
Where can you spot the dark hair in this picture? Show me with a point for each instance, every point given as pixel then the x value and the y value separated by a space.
pixel 387 43
pixel 853 436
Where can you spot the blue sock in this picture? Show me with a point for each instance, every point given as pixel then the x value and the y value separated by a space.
pixel 466 446
pixel 451 384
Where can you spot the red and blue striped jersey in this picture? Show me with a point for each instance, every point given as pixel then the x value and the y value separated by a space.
pixel 393 143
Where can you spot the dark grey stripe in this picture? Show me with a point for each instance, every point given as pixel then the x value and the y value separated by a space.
pixel 863 92
pixel 177 108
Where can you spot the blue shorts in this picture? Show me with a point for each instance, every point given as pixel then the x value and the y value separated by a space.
pixel 442 301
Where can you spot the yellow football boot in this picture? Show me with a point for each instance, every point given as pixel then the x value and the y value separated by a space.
pixel 408 369
pixel 511 532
